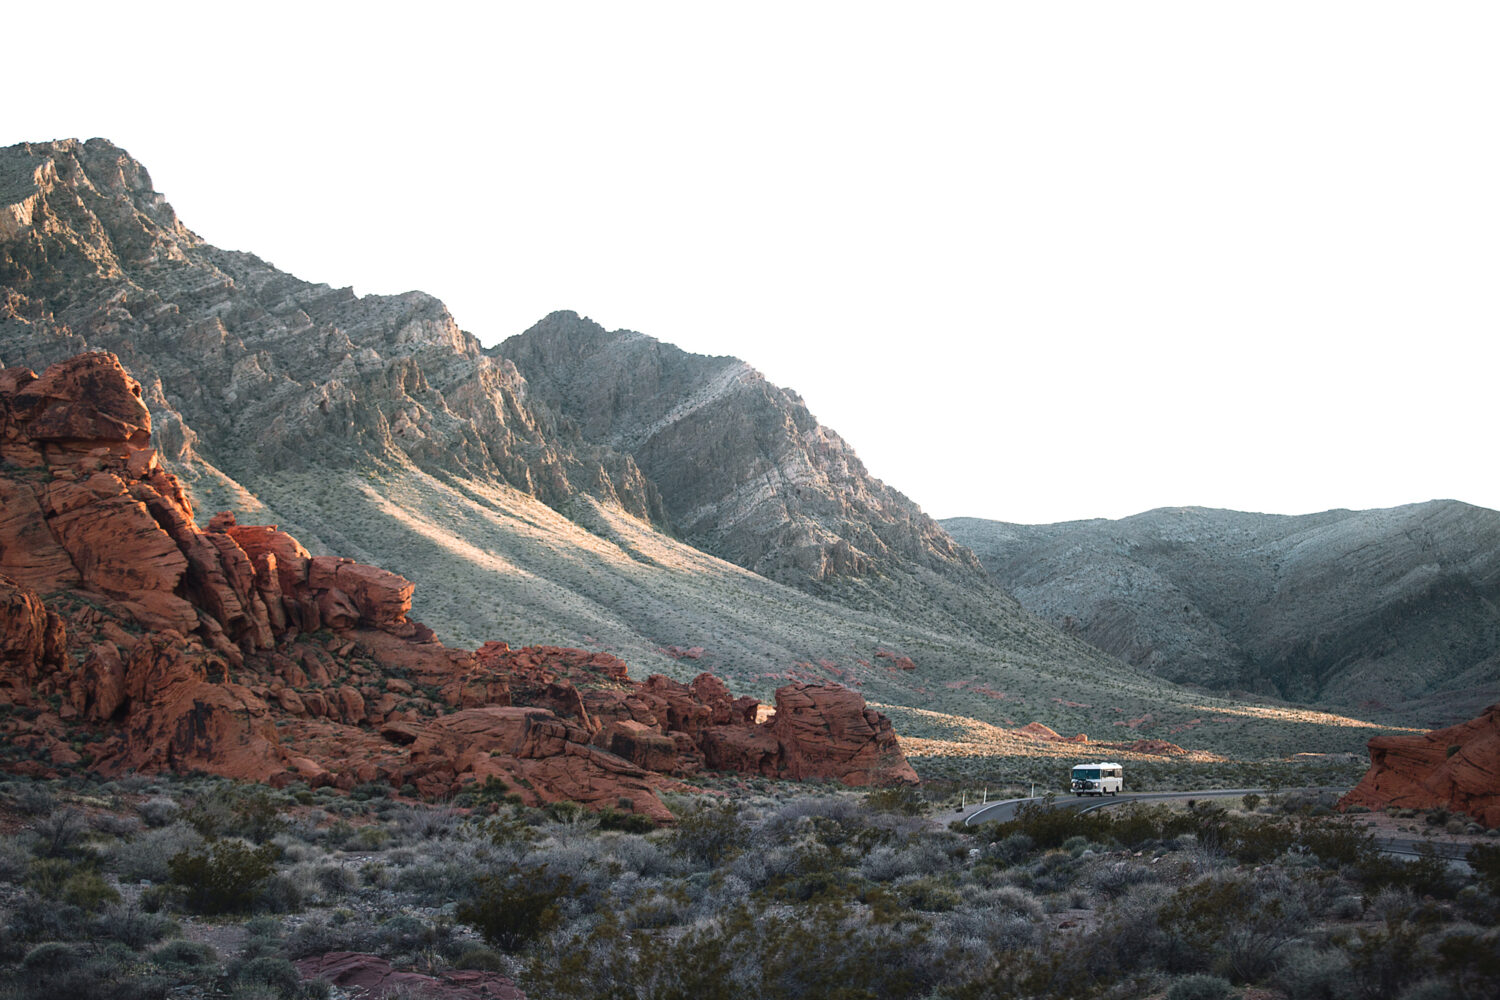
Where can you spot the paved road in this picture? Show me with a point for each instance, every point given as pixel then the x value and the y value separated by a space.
pixel 1006 810
pixel 1003 812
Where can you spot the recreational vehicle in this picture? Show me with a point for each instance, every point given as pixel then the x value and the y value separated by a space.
pixel 1096 779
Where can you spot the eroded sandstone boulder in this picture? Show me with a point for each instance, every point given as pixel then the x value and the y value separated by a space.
pixel 1456 768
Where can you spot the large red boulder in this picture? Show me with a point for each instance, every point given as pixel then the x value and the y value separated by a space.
pixel 825 731
pixel 181 720
pixel 1456 768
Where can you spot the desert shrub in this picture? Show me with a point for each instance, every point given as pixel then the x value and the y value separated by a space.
pixel 1115 878
pixel 1241 922
pixel 59 832
pixel 1485 860
pixel 885 862
pixel 34 799
pixel 146 857
pixel 406 934
pixel 159 811
pixel 776 953
pixel 251 812
pixel 69 882
pixel 223 877
pixel 109 973
pixel 1469 958
pixel 32 918
pixel 368 838
pixel 482 959
pixel 185 954
pixel 15 857
pixel 336 880
pixel 281 893
pixel 928 895
pixel 512 909
pixel 1383 960
pixel 419 823
pixel 1250 801
pixel 132 926
pixel 1307 973
pixel 627 822
pixel 636 854
pixel 272 972
pixel 320 935
pixel 901 799
pixel 1429 874
pixel 710 834
pixel 50 958
pixel 1198 987
pixel 112 825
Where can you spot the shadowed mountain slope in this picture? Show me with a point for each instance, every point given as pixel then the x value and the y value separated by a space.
pixel 1381 608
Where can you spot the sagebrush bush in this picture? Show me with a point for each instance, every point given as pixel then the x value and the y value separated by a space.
pixel 185 954
pixel 159 811
pixel 147 855
pixel 1307 973
pixel 710 834
pixel 223 877
pixel 1198 987
pixel 512 909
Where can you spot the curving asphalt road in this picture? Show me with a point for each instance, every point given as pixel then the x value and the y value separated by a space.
pixel 1002 812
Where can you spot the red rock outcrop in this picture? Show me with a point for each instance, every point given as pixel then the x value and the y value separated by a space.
pixel 1456 768
pixel 372 977
pixel 1037 730
pixel 195 648
pixel 32 641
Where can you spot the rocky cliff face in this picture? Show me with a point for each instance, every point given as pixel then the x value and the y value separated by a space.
pixel 250 372
pixel 1456 768
pixel 230 649
pixel 744 469
pixel 1373 608
pixel 251 369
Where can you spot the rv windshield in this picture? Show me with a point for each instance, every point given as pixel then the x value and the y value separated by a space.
pixel 1091 773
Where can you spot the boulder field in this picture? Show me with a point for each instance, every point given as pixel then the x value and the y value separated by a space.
pixel 1457 768
pixel 132 639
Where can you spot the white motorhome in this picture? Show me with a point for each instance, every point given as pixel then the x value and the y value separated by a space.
pixel 1097 779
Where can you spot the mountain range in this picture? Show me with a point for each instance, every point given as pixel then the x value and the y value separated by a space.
pixel 570 485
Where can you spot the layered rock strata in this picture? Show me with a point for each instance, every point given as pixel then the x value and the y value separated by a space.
pixel 1457 768
pixel 230 649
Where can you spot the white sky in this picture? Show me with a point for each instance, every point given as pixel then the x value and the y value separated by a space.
pixel 1033 261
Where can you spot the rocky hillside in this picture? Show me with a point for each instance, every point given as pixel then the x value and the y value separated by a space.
pixel 252 373
pixel 1397 607
pixel 165 646
pixel 745 471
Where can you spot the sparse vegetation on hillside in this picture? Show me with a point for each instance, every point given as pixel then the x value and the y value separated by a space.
pixel 769 889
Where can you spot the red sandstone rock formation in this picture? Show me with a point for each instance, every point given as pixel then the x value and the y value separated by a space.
pixel 372 977
pixel 193 647
pixel 1457 768
pixel 1038 731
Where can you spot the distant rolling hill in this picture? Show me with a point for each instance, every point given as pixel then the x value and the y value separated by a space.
pixel 1393 609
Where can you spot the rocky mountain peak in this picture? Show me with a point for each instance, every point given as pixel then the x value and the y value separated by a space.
pixel 744 468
